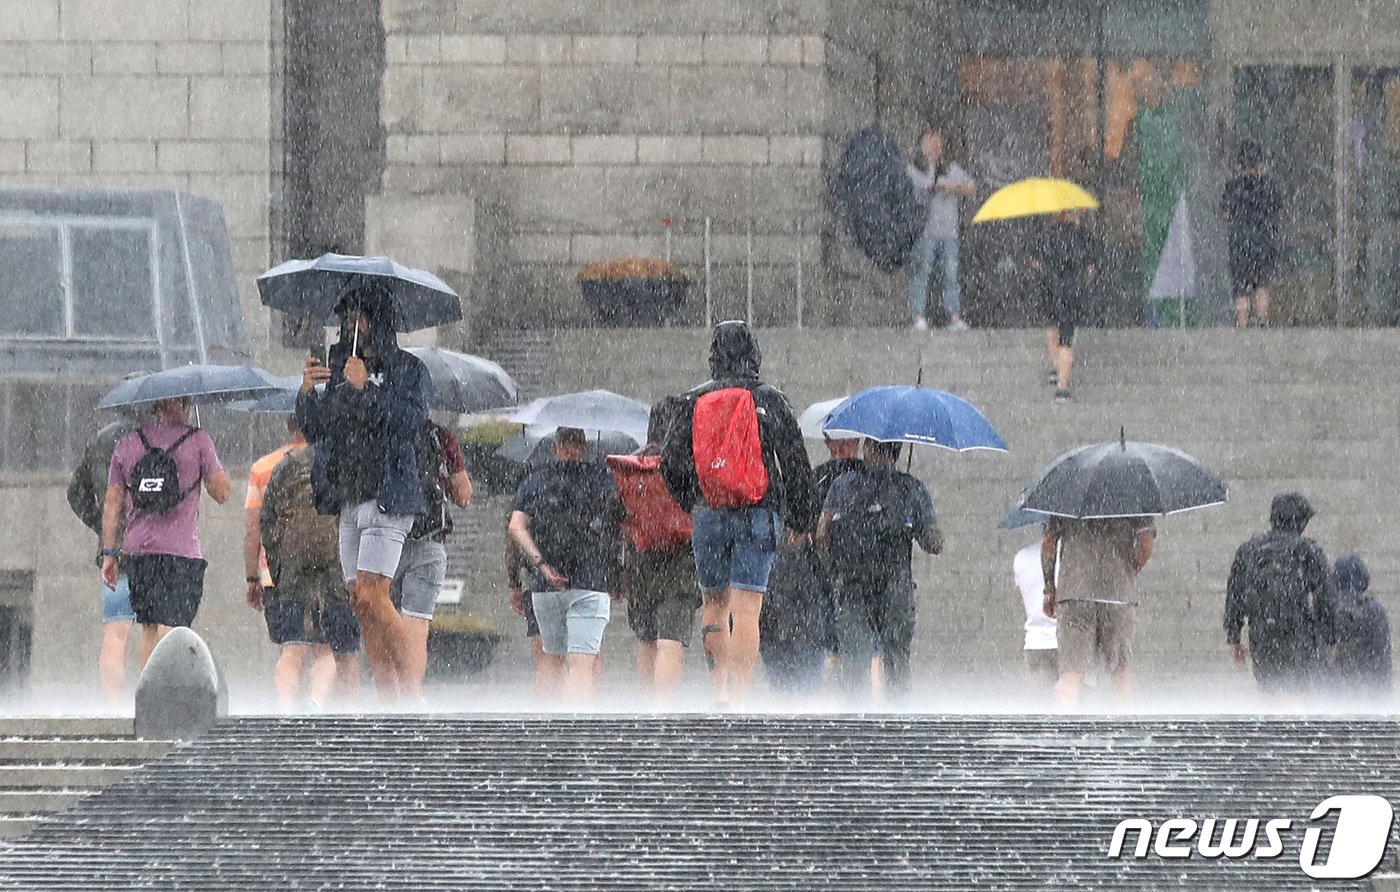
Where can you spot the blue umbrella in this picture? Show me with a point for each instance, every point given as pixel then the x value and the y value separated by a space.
pixel 312 288
pixel 919 415
pixel 589 410
pixel 1022 517
pixel 201 383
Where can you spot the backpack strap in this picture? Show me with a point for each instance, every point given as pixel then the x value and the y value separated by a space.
pixel 171 452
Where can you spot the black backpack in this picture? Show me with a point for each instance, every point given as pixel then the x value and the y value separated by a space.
pixel 1279 601
pixel 873 537
pixel 155 478
pixel 432 476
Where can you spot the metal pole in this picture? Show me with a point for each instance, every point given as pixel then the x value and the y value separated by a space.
pixel 1341 188
pixel 748 272
pixel 709 301
pixel 667 225
pixel 799 274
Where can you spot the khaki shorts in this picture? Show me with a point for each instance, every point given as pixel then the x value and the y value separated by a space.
pixel 1092 633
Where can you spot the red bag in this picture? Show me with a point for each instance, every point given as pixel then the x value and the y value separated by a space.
pixel 654 521
pixel 728 450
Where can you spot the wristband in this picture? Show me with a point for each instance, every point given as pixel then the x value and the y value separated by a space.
pixel 252 579
pixel 110 552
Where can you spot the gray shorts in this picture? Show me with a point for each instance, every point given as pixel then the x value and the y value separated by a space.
pixel 571 621
pixel 1094 633
pixel 419 579
pixel 371 540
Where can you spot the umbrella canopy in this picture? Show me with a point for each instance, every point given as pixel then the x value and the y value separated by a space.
pixel 203 384
pixel 312 288
pixel 1123 479
pixel 534 446
pixel 1037 195
pixel 811 421
pixel 465 383
pixel 914 415
pixel 593 410
pixel 876 200
pixel 1022 517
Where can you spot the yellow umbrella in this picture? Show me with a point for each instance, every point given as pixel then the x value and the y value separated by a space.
pixel 1037 195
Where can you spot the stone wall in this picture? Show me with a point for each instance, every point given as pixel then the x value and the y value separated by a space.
pixel 144 93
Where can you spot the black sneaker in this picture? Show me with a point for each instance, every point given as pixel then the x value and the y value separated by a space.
pixel 1063 396
pixel 1052 377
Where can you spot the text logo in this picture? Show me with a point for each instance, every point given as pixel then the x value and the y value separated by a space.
pixel 151 484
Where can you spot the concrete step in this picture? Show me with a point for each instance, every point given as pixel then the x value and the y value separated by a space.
pixel 66 726
pixel 61 777
pixel 13 828
pixel 36 802
pixel 69 751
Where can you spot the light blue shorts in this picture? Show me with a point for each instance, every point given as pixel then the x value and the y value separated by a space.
pixel 422 566
pixel 572 621
pixel 734 548
pixel 371 540
pixel 116 603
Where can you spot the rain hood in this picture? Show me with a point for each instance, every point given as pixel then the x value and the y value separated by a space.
pixel 1350 577
pixel 734 352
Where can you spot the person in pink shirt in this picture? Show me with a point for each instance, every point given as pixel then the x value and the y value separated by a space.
pixel 154 482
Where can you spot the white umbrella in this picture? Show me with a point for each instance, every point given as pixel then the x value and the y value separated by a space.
pixel 1176 268
pixel 814 417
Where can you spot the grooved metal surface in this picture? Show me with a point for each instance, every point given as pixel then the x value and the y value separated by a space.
pixel 693 801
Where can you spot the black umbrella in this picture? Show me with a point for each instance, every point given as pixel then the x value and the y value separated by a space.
pixel 875 198
pixel 1123 479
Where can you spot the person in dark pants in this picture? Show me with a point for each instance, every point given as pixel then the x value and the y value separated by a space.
pixel 1068 259
pixel 869 522
pixel 797 625
pixel 1251 206
pixel 1280 585
pixel 1361 666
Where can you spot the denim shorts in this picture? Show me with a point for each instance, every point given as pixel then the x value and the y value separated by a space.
pixel 371 540
pixel 734 548
pixel 116 603
pixel 572 621
pixel 421 569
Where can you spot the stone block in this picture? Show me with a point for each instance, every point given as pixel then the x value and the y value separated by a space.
pixel 13 58
pixel 735 150
pixel 735 49
pixel 539 248
pixel 246 57
pixel 603 99
pixel 123 156
pixel 669 149
pixel 29 20
pixel 795 151
pixel 814 52
pixel 231 20
pixel 29 107
pixel 605 50
pixel 412 148
pixel 785 50
pixel 58 156
pixel 186 57
pixel 539 49
pixel 123 58
pixel 211 156
pixel 652 16
pixel 124 20
pixel 463 99
pixel 401 98
pixel 418 16
pixel 473 49
pixel 529 149
pixel 472 148
pixel 395 49
pixel 670 50
pixel 605 150
pixel 12 155
pixel 424 49
pixel 430 232
pixel 236 107
pixel 245 199
pixel 728 100
pixel 68 59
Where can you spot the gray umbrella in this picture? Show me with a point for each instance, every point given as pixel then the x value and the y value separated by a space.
pixel 590 410
pixel 535 445
pixel 203 384
pixel 1123 479
pixel 464 383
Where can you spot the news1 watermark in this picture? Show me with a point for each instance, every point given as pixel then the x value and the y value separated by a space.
pixel 1360 836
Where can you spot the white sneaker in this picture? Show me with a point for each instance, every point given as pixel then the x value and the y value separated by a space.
pixel 957 326
pixel 921 324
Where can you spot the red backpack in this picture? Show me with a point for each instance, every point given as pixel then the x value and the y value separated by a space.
pixel 728 450
pixel 654 521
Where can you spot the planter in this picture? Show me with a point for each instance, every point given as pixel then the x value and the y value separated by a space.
pixel 460 645
pixel 635 303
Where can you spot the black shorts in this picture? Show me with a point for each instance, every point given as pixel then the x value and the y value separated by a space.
pixel 662 595
pixel 312 607
pixel 1251 267
pixel 285 614
pixel 532 625
pixel 1060 309
pixel 165 589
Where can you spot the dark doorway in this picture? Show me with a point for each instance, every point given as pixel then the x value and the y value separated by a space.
pixel 16 630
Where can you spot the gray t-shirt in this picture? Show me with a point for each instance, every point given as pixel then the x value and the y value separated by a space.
pixel 1096 557
pixel 942 220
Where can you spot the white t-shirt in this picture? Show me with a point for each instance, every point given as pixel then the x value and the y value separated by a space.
pixel 942 220
pixel 1030 579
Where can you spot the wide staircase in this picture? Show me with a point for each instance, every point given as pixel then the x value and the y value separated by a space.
pixel 621 802
pixel 50 764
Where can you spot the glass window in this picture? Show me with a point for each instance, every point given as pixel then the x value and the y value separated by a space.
pixel 112 289
pixel 31 300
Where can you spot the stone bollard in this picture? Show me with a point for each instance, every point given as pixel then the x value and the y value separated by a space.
pixel 181 693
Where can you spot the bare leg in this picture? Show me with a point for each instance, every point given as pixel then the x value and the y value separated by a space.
pixel 1123 686
pixel 646 663
pixel 666 678
pixel 1068 688
pixel 1261 305
pixel 1064 364
pixel 347 675
pixel 380 627
pixel 415 634
pixel 321 678
pixel 580 680
pixel 1052 346
pixel 286 677
pixel 549 677
pixel 877 675
pixel 150 637
pixel 1242 312
pixel 111 660
pixel 714 633
pixel 598 670
pixel 745 607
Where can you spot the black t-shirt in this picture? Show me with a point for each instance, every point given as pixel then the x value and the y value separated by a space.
pixel 573 521
pixel 1067 250
pixel 1252 204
